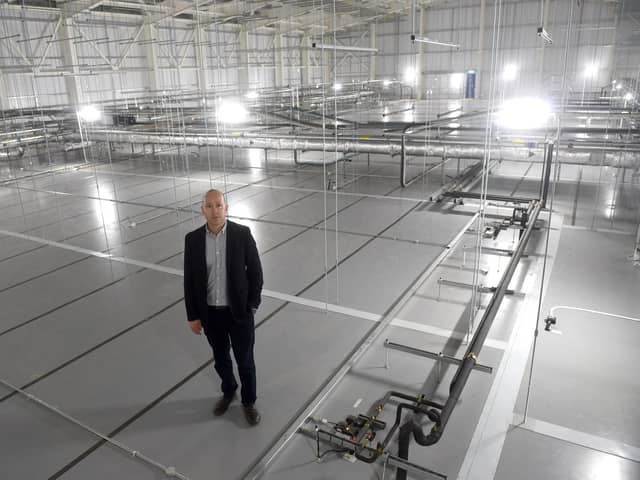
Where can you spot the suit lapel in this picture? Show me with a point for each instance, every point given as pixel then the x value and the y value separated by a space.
pixel 229 244
pixel 202 253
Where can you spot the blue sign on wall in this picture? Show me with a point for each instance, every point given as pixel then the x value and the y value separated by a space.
pixel 470 86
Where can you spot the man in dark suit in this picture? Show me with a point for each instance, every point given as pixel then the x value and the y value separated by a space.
pixel 222 287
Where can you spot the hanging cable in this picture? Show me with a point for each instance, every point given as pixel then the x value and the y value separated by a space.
pixel 563 106
pixel 335 153
pixel 475 302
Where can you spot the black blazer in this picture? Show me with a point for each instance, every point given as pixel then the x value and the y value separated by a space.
pixel 244 273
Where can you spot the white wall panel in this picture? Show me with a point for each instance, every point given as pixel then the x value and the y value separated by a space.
pixel 592 41
pixel 539 68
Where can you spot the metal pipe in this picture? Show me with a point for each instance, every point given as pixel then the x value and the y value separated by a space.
pixel 391 459
pixel 261 464
pixel 377 146
pixel 471 356
pixel 12 153
pixel 490 196
pixel 167 470
pixel 432 355
pixel 546 174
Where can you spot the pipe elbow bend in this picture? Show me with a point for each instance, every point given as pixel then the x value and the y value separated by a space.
pixel 426 440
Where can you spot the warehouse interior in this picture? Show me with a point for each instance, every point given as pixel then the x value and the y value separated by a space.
pixel 445 196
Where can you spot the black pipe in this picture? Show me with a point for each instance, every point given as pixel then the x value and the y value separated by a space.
pixel 488 196
pixel 471 356
pixel 403 448
pixel 544 187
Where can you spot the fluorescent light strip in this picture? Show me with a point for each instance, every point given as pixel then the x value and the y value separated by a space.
pixel 435 42
pixel 324 46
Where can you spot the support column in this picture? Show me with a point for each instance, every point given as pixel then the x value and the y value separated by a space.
pixel 149 33
pixel 200 38
pixel 372 57
pixel 70 59
pixel 278 58
pixel 545 16
pixel 419 77
pixel 327 66
pixel 480 51
pixel 243 59
pixel 305 60
pixel 636 249
pixel 4 103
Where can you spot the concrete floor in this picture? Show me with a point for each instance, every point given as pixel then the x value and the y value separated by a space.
pixel 93 321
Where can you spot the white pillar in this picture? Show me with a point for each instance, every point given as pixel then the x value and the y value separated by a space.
pixel 305 60
pixel 479 52
pixel 243 59
pixel 70 59
pixel 278 59
pixel 636 250
pixel 4 103
pixel 419 78
pixel 200 38
pixel 372 57
pixel 149 33
pixel 327 65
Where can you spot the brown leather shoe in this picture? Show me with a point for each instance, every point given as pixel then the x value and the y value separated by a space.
pixel 222 405
pixel 251 414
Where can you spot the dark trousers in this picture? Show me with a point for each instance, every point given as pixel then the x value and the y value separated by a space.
pixel 224 333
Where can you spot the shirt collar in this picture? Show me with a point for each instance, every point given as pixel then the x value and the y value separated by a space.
pixel 223 231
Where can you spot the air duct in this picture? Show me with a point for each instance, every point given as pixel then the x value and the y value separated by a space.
pixel 370 145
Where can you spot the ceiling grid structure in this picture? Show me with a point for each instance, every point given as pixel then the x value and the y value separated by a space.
pixel 445 197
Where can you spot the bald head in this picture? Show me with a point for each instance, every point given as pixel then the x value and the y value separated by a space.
pixel 214 209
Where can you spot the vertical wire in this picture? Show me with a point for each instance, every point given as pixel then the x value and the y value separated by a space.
pixel 324 159
pixel 90 158
pixel 176 114
pixel 198 52
pixel 485 165
pixel 108 143
pixel 563 105
pixel 427 105
pixel 36 98
pixel 335 138
pixel 220 125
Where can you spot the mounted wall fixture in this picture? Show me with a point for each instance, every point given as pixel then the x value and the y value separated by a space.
pixel 323 46
pixel 434 42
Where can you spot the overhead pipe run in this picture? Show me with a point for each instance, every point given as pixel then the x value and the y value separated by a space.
pixel 470 358
pixel 469 361
pixel 376 146
pixel 12 153
pixel 356 434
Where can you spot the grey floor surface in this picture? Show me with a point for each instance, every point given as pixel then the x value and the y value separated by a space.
pixel 105 340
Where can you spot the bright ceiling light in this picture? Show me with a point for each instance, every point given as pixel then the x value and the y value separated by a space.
pixel 230 111
pixel 591 70
pixel 89 113
pixel 510 71
pixel 252 95
pixel 410 75
pixel 386 83
pixel 337 87
pixel 628 96
pixel 456 80
pixel 523 113
pixel 619 86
